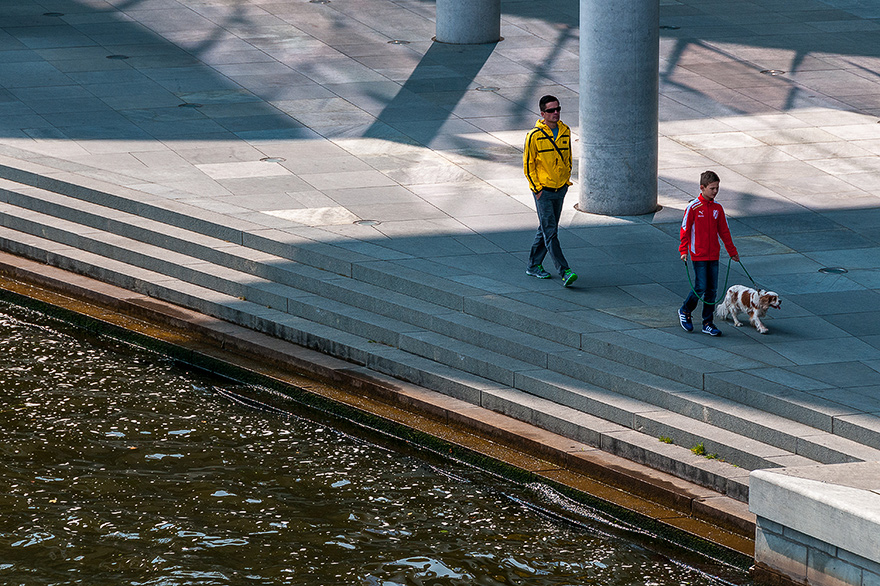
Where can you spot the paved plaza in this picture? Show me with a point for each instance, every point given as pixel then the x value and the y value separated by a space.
pixel 341 123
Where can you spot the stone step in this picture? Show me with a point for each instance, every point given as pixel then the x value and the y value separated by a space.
pixel 593 331
pixel 807 408
pixel 599 432
pixel 650 356
pixel 321 308
pixel 356 293
pixel 447 340
pixel 502 338
pixel 439 349
pixel 736 432
pixel 620 440
pixel 578 329
pixel 738 387
pixel 246 264
pixel 656 421
pixel 163 222
pixel 649 393
pixel 293 245
pixel 770 428
pixel 510 372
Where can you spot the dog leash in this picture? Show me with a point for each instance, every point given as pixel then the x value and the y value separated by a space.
pixel 723 289
pixel 748 275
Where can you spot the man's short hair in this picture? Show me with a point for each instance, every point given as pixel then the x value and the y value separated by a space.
pixel 708 177
pixel 546 100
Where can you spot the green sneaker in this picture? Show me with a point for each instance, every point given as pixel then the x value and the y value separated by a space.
pixel 568 278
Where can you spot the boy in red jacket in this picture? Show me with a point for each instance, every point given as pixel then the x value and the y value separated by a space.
pixel 704 222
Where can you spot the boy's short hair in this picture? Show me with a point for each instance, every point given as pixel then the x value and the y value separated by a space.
pixel 546 100
pixel 708 177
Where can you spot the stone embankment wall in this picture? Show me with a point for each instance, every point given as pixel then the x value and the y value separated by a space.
pixel 818 525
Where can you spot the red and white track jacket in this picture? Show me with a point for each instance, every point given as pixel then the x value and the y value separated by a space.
pixel 704 222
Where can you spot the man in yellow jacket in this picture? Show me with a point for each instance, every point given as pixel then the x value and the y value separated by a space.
pixel 547 165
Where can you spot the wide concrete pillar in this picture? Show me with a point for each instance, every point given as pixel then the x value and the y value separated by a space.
pixel 619 85
pixel 468 22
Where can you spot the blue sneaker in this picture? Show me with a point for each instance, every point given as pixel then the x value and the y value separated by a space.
pixel 568 278
pixel 685 319
pixel 710 329
pixel 537 271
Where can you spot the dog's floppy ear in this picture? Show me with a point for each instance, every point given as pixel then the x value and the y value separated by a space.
pixel 771 299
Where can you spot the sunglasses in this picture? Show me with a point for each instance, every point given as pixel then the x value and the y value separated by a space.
pixel 553 110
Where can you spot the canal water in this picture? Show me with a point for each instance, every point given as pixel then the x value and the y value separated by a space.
pixel 122 467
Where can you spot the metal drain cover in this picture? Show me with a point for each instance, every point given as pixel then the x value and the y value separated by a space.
pixel 833 270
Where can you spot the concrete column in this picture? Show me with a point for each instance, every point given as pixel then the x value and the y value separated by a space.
pixel 468 22
pixel 619 85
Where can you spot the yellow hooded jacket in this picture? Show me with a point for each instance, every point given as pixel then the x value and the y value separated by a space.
pixel 543 165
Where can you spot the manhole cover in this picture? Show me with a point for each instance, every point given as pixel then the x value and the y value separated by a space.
pixel 273 159
pixel 772 72
pixel 488 88
pixel 833 270
pixel 189 105
pixel 368 222
pixel 669 27
pixel 398 42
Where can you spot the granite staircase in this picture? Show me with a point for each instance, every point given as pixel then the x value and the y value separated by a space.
pixel 584 375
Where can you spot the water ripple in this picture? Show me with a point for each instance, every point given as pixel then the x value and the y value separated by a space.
pixel 121 467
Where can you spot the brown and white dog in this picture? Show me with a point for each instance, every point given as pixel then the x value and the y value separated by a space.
pixel 752 302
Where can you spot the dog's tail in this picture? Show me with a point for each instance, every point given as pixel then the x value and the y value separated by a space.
pixel 723 310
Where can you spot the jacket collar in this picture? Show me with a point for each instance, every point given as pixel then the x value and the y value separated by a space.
pixel 543 125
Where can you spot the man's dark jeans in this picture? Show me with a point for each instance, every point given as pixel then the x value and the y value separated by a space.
pixel 546 240
pixel 706 286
